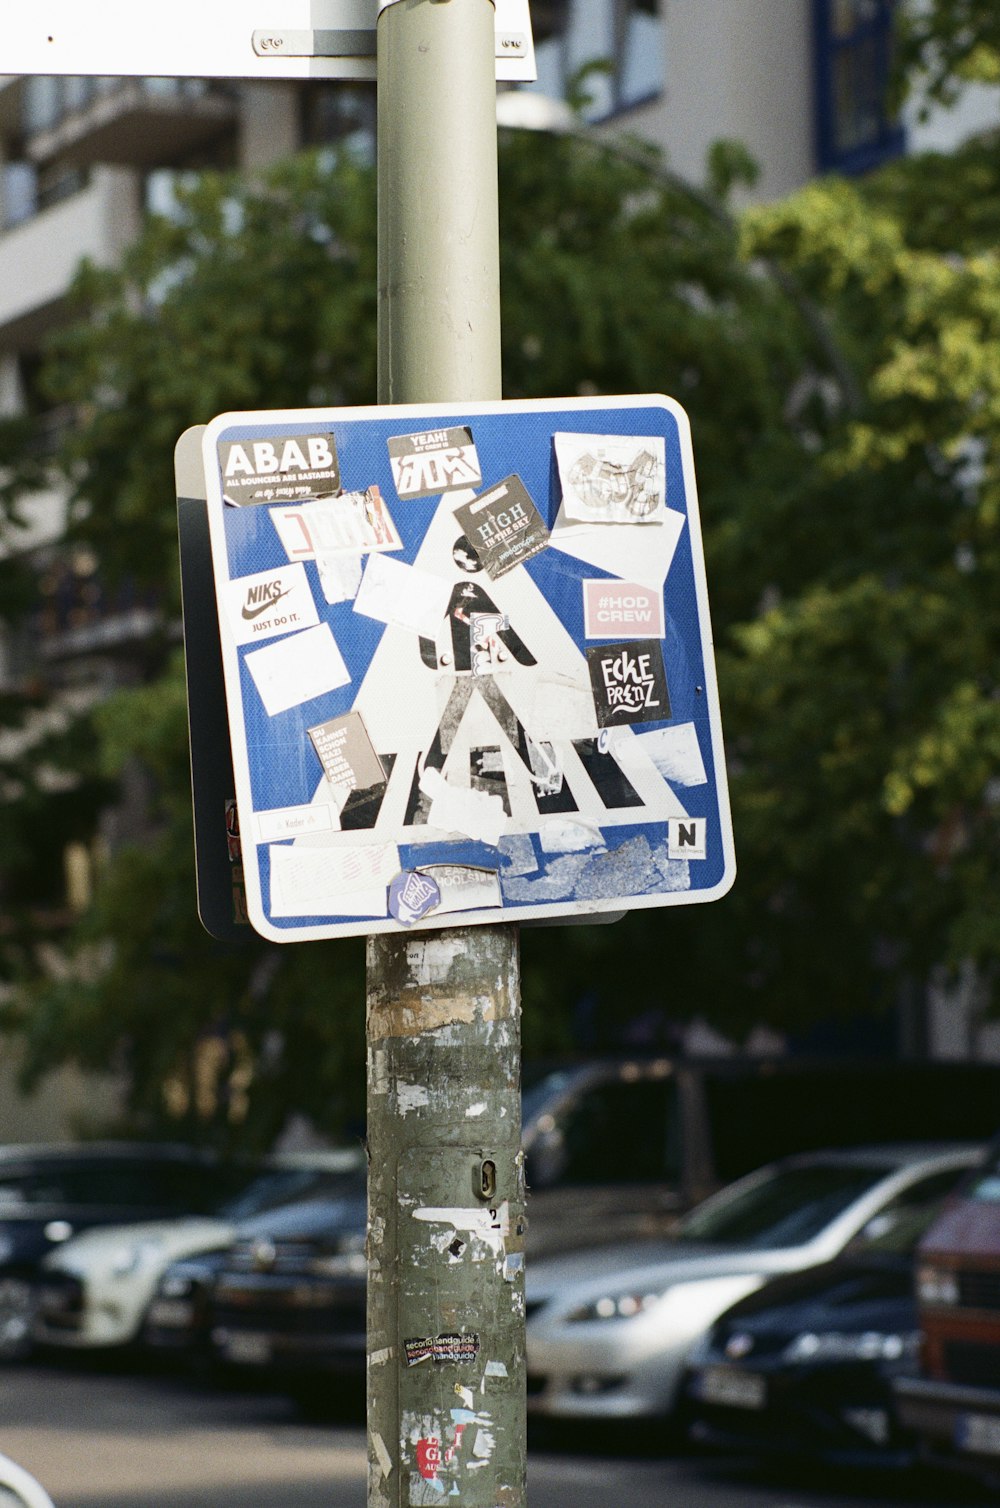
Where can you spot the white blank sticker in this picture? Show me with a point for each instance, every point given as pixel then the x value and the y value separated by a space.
pixel 393 592
pixel 297 669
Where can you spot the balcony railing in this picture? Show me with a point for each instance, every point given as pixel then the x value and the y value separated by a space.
pixel 132 122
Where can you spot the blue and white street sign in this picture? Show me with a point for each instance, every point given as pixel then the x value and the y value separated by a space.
pixel 468 663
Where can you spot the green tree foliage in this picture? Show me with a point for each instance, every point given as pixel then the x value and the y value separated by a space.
pixel 945 43
pixel 261 294
pixel 834 353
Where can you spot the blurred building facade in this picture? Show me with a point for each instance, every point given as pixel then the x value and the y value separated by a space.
pixel 801 83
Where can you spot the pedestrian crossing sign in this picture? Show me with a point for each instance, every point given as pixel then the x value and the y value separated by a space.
pixel 468 663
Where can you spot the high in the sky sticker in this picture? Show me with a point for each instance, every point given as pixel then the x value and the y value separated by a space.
pixel 504 527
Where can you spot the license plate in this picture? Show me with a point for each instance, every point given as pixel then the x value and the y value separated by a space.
pixel 171 1314
pixel 979 1434
pixel 255 1349
pixel 54 1299
pixel 732 1388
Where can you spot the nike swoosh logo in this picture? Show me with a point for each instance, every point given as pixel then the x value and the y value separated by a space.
pixel 262 607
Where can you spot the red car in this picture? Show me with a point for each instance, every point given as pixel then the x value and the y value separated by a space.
pixel 954 1406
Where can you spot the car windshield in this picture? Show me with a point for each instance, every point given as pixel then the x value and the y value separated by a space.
pixel 787 1207
pixel 131 1183
pixel 536 1090
pixel 278 1186
pixel 984 1187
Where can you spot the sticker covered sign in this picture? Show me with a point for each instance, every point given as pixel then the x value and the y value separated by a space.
pixel 468 663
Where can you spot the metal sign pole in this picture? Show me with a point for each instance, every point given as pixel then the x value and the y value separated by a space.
pixel 446 1401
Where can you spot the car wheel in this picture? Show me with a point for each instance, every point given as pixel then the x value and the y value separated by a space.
pixel 17 1313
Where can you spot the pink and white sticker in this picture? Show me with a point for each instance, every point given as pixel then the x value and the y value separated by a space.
pixel 622 610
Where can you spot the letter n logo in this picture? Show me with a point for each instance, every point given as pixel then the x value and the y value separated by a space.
pixel 687 837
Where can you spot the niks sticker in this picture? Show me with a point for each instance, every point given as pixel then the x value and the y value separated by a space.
pixel 504 526
pixel 629 683
pixel 273 468
pixel 440 460
pixel 269 603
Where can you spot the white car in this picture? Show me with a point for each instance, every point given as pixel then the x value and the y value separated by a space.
pixel 18 1489
pixel 609 1328
pixel 95 1290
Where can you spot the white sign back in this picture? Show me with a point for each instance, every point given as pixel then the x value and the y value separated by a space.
pixel 276 39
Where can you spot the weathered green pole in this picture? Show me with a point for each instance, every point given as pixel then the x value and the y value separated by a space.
pixel 446 1412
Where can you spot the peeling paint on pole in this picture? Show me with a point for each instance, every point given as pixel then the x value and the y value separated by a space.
pixel 446 1289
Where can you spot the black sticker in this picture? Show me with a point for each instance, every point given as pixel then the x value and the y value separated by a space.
pixel 279 469
pixel 503 526
pixel 629 683
pixel 346 753
pixel 442 1348
pixel 440 460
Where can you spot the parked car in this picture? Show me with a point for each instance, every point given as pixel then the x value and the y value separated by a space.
pixel 49 1193
pixel 694 1125
pixel 609 1329
pixel 805 1366
pixel 178 1320
pixel 954 1405
pixel 94 1291
pixel 290 1296
pixel 18 1489
pixel 688 1124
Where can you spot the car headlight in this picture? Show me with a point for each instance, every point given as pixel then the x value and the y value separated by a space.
pixel 862 1345
pixel 937 1285
pixel 172 1287
pixel 348 1260
pixel 130 1258
pixel 622 1305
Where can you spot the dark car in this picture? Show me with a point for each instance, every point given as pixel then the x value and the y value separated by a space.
pixel 290 1296
pixel 48 1193
pixel 178 1320
pixel 805 1365
pixel 953 1406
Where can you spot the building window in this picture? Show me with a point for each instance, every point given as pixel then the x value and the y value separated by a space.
pixel 337 112
pixel 624 36
pixel 854 41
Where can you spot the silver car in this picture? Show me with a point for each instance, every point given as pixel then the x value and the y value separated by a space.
pixel 609 1328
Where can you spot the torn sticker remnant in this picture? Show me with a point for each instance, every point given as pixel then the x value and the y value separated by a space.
pixel 356 523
